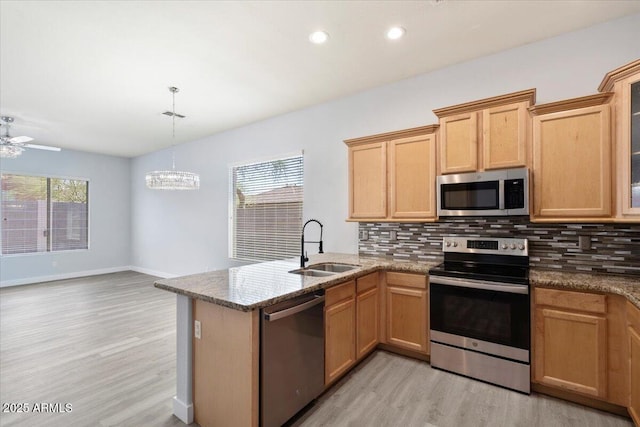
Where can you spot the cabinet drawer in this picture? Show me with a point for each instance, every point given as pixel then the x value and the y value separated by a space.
pixel 407 279
pixel 340 292
pixel 595 303
pixel 367 282
pixel 633 316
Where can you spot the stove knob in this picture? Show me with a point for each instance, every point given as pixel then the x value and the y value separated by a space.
pixel 521 247
pixel 513 246
pixel 448 244
pixel 455 244
pixel 504 246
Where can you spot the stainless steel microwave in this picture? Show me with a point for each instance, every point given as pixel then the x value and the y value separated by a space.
pixel 493 193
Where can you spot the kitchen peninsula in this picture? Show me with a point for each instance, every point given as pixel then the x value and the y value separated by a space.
pixel 218 374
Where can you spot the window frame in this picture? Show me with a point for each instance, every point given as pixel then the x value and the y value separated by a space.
pixel 50 176
pixel 231 197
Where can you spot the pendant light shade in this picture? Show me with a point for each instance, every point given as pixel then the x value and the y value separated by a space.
pixel 173 179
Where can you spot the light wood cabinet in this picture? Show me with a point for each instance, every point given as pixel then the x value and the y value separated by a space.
pixel 633 330
pixel 572 160
pixel 492 133
pixel 570 341
pixel 340 330
pixel 406 311
pixel 367 314
pixel 392 176
pixel 625 84
pixel 368 180
pixel 412 177
pixel 459 143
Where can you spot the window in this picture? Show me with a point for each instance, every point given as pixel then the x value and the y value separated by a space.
pixel 266 209
pixel 42 214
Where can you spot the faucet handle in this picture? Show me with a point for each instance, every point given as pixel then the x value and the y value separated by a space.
pixel 306 257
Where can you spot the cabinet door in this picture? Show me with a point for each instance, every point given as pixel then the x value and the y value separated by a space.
pixel 572 164
pixel 340 344
pixel 570 351
pixel 368 180
pixel 504 131
pixel 634 372
pixel 407 318
pixel 367 321
pixel 459 143
pixel 412 177
pixel 628 145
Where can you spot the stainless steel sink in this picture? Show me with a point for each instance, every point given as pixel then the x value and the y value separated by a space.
pixel 334 267
pixel 313 273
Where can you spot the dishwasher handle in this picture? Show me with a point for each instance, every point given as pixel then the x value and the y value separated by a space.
pixel 293 310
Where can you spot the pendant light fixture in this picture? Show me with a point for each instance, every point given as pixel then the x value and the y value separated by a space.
pixel 173 179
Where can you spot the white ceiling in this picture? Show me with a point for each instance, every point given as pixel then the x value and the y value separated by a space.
pixel 93 75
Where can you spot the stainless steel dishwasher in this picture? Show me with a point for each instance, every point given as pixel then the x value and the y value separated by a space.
pixel 291 357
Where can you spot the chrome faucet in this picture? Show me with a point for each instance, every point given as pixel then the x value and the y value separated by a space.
pixel 303 255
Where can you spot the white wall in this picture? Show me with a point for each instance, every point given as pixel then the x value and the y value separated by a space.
pixel 181 233
pixel 109 217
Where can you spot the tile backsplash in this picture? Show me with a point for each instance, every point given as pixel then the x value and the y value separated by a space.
pixel 615 248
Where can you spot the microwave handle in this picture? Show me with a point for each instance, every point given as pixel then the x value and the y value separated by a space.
pixel 501 194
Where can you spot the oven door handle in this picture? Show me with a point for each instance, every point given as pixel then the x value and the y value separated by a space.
pixel 480 284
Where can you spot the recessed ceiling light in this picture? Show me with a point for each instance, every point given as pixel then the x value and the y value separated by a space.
pixel 318 37
pixel 394 33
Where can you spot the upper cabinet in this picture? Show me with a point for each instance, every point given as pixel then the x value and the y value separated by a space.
pixel 392 176
pixel 492 133
pixel 572 160
pixel 625 84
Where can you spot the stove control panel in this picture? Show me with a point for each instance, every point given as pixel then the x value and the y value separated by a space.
pixel 481 245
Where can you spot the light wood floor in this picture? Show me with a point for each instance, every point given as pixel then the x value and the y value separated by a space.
pixel 106 344
pixel 391 390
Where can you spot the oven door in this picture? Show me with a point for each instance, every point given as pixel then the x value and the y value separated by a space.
pixel 487 317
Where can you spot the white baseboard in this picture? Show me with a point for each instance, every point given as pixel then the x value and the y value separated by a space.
pixel 152 272
pixel 183 411
pixel 63 276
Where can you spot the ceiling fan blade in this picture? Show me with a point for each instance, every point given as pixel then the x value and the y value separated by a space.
pixel 42 147
pixel 20 139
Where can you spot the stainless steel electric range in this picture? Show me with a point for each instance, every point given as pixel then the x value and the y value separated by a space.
pixel 480 311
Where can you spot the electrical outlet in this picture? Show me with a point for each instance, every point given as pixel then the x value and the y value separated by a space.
pixel 393 235
pixel 197 329
pixel 584 243
pixel 364 235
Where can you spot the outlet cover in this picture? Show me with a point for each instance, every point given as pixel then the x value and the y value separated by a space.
pixel 197 329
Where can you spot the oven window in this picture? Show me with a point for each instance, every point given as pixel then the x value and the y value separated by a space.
pixel 471 196
pixel 468 317
pixel 497 317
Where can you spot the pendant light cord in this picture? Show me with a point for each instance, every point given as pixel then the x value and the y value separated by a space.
pixel 173 133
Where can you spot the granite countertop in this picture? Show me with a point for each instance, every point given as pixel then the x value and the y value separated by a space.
pixel 260 285
pixel 627 286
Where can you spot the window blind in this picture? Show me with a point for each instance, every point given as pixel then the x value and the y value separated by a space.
pixel 41 214
pixel 266 209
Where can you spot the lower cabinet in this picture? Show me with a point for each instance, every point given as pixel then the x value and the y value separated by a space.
pixel 406 311
pixel 351 321
pixel 367 314
pixel 633 330
pixel 339 330
pixel 570 341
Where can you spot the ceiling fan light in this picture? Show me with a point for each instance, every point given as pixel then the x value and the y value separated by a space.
pixel 10 151
pixel 172 180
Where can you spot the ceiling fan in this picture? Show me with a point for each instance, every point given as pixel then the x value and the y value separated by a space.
pixel 12 146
